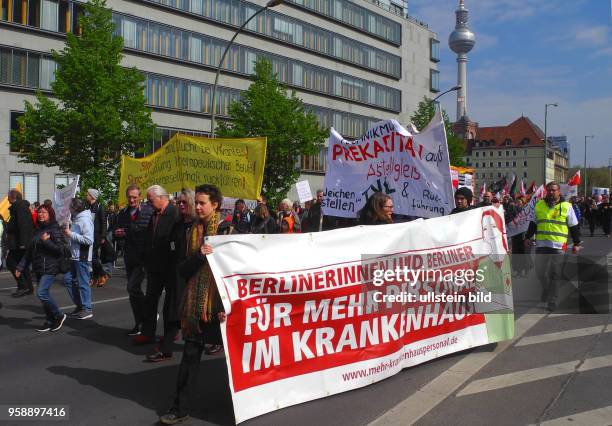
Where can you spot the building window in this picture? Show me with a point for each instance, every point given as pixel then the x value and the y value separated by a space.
pixel 507 164
pixel 514 153
pixel 14 126
pixel 508 142
pixel 499 153
pixel 434 48
pixel 477 153
pixel 62 181
pixel 491 164
pixel 525 174
pixel 525 163
pixel 507 153
pixel 434 77
pixel 514 164
pixel 525 141
pixel 476 163
pixel 499 164
pixel 314 163
pixel 29 185
pixel 491 154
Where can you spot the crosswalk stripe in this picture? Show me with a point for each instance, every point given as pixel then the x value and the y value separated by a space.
pixel 534 374
pixel 433 393
pixel 598 417
pixel 560 335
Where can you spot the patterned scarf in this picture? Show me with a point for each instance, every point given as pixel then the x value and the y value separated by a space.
pixel 201 288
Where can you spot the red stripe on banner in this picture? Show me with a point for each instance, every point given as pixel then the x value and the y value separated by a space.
pixel 277 337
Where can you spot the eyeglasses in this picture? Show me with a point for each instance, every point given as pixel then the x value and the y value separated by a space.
pixel 388 207
pixel 181 202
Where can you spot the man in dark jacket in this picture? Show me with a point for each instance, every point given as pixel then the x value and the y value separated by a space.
pixel 99 277
pixel 316 220
pixel 160 263
pixel 242 219
pixel 19 232
pixel 463 200
pixel 131 228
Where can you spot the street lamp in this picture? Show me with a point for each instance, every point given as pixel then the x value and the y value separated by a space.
pixel 271 3
pixel 546 137
pixel 452 89
pixel 585 171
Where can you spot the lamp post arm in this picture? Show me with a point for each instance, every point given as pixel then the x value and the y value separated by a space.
pixel 213 108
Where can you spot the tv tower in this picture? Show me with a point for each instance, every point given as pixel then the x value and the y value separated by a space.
pixel 461 41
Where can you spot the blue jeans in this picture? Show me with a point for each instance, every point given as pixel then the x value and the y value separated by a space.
pixel 77 283
pixel 44 295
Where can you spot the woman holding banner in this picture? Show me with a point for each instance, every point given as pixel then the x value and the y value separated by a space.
pixel 202 307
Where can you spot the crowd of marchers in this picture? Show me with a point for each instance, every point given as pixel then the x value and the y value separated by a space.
pixel 163 238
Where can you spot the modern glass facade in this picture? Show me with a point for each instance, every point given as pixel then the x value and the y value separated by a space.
pixel 152 37
pixel 294 31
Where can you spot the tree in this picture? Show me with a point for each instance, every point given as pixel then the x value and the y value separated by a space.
pixel 421 118
pixel 100 111
pixel 266 109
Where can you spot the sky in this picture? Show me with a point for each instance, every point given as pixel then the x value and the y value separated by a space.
pixel 529 53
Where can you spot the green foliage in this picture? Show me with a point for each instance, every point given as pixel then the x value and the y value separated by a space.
pixel 421 118
pixel 266 109
pixel 100 111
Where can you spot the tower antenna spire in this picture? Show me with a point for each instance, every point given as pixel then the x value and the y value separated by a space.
pixel 461 41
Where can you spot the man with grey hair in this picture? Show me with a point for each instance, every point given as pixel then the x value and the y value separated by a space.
pixel 160 260
pixel 132 224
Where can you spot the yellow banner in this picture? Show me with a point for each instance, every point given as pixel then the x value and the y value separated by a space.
pixel 235 166
pixel 4 204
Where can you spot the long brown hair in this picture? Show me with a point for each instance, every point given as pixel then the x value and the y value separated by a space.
pixel 373 212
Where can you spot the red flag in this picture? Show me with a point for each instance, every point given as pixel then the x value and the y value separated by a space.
pixel 575 180
pixel 531 188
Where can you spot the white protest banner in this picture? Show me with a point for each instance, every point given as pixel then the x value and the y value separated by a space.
pixel 303 190
pixel 229 203
pixel 61 201
pixel 600 191
pixel 568 191
pixel 520 223
pixel 304 327
pixel 412 168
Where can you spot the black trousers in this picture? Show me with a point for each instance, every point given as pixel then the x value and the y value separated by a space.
pixel 96 266
pixel 189 370
pixel 157 281
pixel 24 282
pixel 549 270
pixel 135 276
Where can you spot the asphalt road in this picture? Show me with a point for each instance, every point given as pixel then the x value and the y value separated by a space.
pixel 560 368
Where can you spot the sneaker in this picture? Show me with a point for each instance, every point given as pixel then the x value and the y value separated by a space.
pixel 212 349
pixel 22 292
pixel 44 328
pixel 136 331
pixel 75 313
pixel 159 356
pixel 83 315
pixel 172 417
pixel 57 324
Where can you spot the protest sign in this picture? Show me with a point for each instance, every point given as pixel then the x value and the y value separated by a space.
pixel 412 168
pixel 330 320
pixel 303 190
pixel 568 191
pixel 520 223
pixel 462 177
pixel 61 201
pixel 229 203
pixel 600 191
pixel 235 166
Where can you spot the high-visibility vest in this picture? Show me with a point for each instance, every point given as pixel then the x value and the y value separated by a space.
pixel 552 222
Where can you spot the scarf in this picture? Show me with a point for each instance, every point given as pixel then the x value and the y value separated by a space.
pixel 201 289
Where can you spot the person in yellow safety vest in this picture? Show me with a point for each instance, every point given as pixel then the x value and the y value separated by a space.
pixel 554 218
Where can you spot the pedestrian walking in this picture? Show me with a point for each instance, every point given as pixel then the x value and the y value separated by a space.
pixel 81 235
pixel 160 261
pixel 554 218
pixel 19 232
pixel 44 254
pixel 98 275
pixel 132 224
pixel 202 310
